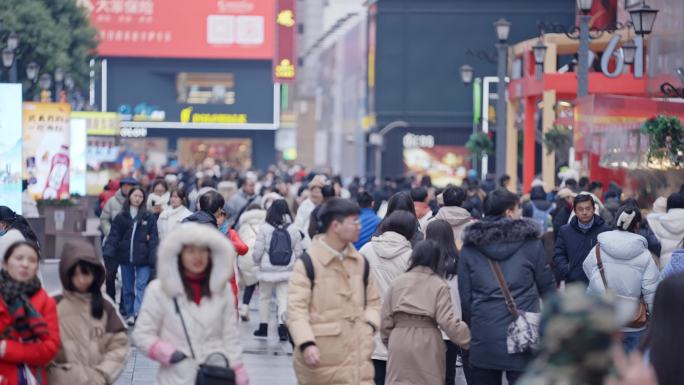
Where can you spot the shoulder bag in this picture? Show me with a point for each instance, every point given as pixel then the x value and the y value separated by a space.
pixel 641 317
pixel 523 333
pixel 208 374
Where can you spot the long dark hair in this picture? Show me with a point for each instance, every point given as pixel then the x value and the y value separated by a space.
pixel 204 286
pixel 440 231
pixel 19 223
pixel 127 203
pixel 96 300
pixel 402 222
pixel 278 213
pixel 401 201
pixel 665 335
pixel 428 253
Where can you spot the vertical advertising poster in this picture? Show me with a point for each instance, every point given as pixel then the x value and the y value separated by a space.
pixel 77 153
pixel 102 131
pixel 46 149
pixel 10 146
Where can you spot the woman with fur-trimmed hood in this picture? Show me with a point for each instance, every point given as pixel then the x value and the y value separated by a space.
pixel 194 266
pixel 514 243
pixel 94 346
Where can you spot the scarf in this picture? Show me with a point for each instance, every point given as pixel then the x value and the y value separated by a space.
pixel 28 324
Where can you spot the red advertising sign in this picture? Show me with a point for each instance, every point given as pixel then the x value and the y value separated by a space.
pixel 211 29
pixel 285 57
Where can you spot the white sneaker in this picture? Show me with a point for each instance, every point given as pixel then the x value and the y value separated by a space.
pixel 130 321
pixel 244 312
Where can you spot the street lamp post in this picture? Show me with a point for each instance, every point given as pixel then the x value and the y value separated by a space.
pixel 378 140
pixel 503 27
pixel 583 54
pixel 467 78
pixel 45 82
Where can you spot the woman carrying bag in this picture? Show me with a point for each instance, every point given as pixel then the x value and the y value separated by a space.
pixel 621 261
pixel 187 321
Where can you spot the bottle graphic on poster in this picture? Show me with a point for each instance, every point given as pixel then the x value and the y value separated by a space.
pixel 57 183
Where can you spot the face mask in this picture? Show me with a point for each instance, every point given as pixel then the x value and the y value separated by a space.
pixel 3 232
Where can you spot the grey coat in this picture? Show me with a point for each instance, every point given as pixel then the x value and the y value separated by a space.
pixel 515 244
pixel 237 203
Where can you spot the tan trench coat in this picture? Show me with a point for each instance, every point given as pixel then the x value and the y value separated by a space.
pixel 332 316
pixel 417 305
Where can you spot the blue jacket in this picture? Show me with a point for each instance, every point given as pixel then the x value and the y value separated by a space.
pixel 369 222
pixel 127 247
pixel 572 247
pixel 516 246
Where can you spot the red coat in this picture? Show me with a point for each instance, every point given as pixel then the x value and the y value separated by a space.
pixel 35 354
pixel 241 249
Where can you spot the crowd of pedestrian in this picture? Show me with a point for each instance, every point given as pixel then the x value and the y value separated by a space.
pixel 398 282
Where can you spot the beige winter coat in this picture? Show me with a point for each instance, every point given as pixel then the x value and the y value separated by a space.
pixel 458 219
pixel 332 315
pixel 249 228
pixel 93 351
pixel 388 255
pixel 211 324
pixel 417 305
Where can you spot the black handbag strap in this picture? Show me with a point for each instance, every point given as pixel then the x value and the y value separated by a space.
pixel 185 330
pixel 599 264
pixel 508 297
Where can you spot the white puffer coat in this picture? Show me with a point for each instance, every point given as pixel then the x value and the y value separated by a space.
pixel 388 256
pixel 170 218
pixel 627 264
pixel 669 229
pixel 211 324
pixel 250 221
pixel 268 272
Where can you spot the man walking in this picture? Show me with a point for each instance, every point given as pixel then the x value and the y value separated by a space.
pixel 241 200
pixel 369 220
pixel 576 239
pixel 333 304
pixel 114 205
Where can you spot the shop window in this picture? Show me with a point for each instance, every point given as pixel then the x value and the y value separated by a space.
pixel 205 88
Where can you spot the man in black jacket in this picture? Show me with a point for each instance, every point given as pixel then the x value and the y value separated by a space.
pixel 576 239
pixel 513 243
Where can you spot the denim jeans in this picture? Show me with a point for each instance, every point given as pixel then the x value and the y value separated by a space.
pixel 134 280
pixel 630 340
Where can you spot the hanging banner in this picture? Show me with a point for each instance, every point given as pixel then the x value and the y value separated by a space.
pixel 10 146
pixel 46 149
pixel 285 59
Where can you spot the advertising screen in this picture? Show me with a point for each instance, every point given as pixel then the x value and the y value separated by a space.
pixel 210 29
pixel 46 149
pixel 444 164
pixel 10 146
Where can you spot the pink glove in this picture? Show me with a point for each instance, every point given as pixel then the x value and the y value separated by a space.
pixel 161 351
pixel 241 377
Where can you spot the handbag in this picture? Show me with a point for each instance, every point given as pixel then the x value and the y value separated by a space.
pixel 522 334
pixel 641 317
pixel 208 374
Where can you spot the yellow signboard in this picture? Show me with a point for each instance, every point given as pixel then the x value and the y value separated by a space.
pixel 99 123
pixel 187 116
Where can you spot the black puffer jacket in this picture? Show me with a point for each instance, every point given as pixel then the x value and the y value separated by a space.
pixel 515 244
pixel 572 247
pixel 143 250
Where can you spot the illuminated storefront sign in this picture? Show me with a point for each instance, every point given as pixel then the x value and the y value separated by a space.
pixel 187 116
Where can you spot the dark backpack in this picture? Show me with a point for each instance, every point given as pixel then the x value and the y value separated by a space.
pixel 280 249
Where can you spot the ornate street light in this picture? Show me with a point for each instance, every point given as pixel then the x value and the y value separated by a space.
pixel 59 75
pixel 7 57
pixel 643 19
pixel 670 90
pixel 503 28
pixel 69 82
pixel 13 41
pixel 32 70
pixel 539 51
pixel 585 6
pixel 466 74
pixel 629 50
pixel 45 81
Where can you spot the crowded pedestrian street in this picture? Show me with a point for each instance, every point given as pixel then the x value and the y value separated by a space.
pixel 341 192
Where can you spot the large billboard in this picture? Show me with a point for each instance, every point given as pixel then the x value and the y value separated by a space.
pixel 46 149
pixel 10 146
pixel 209 29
